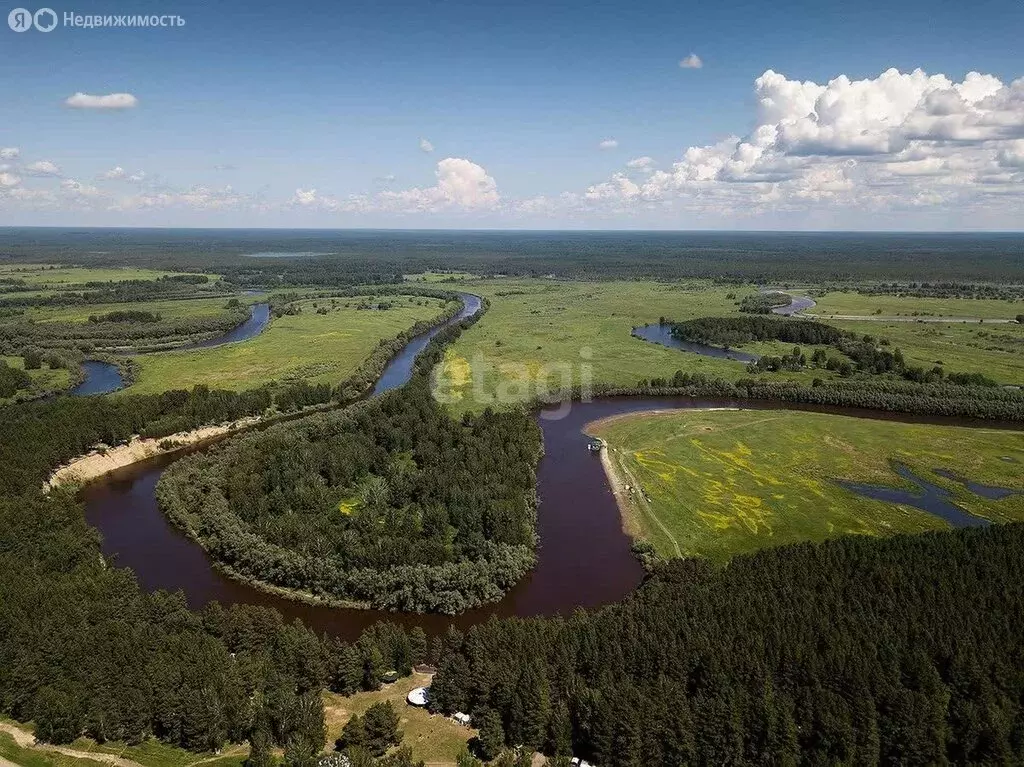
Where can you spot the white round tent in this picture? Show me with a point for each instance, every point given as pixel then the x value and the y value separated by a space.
pixel 418 696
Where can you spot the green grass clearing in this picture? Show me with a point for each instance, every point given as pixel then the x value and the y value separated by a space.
pixel 440 277
pixel 318 348
pixel 61 277
pixel 852 303
pixel 435 739
pixel 544 333
pixel 995 350
pixel 168 309
pixel 729 482
pixel 44 379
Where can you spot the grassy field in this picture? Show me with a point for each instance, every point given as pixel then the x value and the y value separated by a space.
pixel 435 739
pixel 729 482
pixel 543 333
pixel 852 303
pixel 153 753
pixel 307 346
pixel 64 277
pixel 32 757
pixel 995 350
pixel 150 753
pixel 440 277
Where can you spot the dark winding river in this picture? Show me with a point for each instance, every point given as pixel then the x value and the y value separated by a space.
pixel 584 557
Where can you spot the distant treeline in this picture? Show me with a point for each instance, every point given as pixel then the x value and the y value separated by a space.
pixel 945 290
pixel 365 257
pixel 891 395
pixel 854 651
pixel 127 315
pixel 862 353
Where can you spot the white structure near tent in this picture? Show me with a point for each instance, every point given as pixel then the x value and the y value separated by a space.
pixel 577 762
pixel 418 697
pixel 461 718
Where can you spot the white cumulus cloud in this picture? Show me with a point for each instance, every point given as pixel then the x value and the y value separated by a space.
pixel 898 139
pixel 461 184
pixel 691 62
pixel 644 163
pixel 108 101
pixel 42 168
pixel 10 153
pixel 426 146
pixel 608 143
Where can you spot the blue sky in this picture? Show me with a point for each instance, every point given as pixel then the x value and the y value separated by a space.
pixel 319 115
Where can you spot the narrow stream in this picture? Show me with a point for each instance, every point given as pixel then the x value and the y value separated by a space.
pixel 104 377
pixel 662 334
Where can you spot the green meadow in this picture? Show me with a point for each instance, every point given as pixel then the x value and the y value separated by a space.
pixel 542 335
pixel 961 347
pixel 318 348
pixel 545 334
pixel 43 379
pixel 853 303
pixel 62 277
pixel 725 482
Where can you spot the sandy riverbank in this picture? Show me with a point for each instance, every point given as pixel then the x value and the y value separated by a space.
pixel 103 460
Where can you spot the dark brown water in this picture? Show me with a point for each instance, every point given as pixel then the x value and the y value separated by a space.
pixel 584 557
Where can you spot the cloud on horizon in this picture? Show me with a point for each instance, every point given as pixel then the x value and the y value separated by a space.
pixel 108 101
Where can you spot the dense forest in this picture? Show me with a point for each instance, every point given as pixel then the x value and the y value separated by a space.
pixel 853 651
pixel 390 503
pixel 370 257
pixel 763 303
pixel 893 395
pixel 12 379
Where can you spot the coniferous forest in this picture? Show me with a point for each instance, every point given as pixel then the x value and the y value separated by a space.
pixel 905 650
pixel 390 503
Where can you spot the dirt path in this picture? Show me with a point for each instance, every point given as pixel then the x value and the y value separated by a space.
pixel 28 740
pixel 625 499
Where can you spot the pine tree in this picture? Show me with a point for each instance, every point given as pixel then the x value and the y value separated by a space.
pixel 418 639
pixel 380 722
pixel 353 734
pixel 491 740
